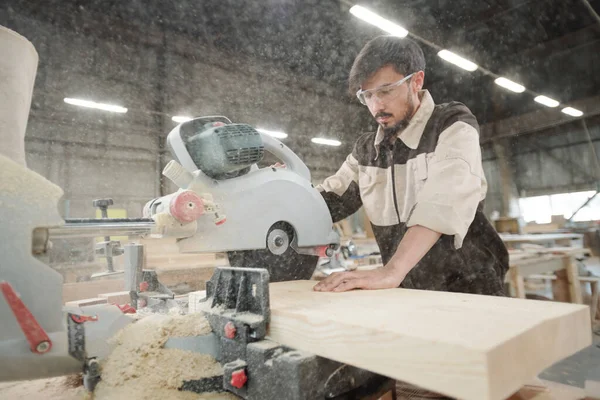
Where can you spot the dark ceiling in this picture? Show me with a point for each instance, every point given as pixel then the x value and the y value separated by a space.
pixel 550 46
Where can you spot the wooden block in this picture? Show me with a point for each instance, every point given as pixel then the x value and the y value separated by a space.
pixel 193 298
pixel 116 297
pixel 86 302
pixel 86 290
pixel 192 278
pixel 465 346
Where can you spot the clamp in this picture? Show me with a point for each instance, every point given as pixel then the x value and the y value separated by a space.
pixel 257 368
pixel 108 248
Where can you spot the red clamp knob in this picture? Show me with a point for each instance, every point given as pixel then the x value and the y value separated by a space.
pixel 80 319
pixel 126 309
pixel 144 286
pixel 230 330
pixel 38 339
pixel 239 378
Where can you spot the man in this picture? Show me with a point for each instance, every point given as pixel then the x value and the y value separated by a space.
pixel 421 182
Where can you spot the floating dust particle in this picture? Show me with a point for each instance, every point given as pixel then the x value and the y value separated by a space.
pixel 140 368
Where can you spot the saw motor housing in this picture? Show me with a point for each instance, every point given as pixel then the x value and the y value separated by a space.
pixel 217 147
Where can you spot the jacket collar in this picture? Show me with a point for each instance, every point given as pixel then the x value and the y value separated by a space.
pixel 411 135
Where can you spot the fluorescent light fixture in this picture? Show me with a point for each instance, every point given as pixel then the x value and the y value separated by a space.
pixel 181 119
pixel 382 23
pixel 457 60
pixel 547 101
pixel 327 142
pixel 275 134
pixel 573 112
pixel 510 85
pixel 93 104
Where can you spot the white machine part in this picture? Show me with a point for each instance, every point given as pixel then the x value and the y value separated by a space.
pixel 276 210
pixel 38 338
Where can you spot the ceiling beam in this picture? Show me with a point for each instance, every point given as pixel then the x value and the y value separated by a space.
pixel 581 37
pixel 538 120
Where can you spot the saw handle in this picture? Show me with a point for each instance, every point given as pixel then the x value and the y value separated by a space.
pixel 289 158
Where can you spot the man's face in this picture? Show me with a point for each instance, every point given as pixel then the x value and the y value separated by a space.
pixel 393 108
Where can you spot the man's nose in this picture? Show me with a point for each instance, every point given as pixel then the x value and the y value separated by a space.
pixel 376 105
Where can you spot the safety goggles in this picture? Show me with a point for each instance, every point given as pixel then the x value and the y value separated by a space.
pixel 383 93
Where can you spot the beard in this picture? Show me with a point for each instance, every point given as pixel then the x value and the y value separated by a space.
pixel 390 132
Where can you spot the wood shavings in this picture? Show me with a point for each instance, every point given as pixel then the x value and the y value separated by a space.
pixel 140 368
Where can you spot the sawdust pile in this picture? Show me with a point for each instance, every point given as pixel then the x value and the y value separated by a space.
pixel 140 368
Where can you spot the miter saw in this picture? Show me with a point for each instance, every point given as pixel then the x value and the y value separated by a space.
pixel 275 218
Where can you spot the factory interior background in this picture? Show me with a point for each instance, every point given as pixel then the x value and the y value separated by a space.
pixel 282 66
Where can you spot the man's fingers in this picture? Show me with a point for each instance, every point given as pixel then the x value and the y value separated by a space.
pixel 332 281
pixel 344 286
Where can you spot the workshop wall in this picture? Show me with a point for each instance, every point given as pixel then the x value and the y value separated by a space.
pixel 558 159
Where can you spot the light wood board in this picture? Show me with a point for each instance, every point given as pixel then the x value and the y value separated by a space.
pixel 465 346
pixel 86 290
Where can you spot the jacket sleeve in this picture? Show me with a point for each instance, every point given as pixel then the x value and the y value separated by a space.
pixel 455 182
pixel 341 192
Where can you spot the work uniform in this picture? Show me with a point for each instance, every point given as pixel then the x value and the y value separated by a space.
pixel 432 176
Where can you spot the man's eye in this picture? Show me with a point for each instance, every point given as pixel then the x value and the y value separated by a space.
pixel 368 95
pixel 385 92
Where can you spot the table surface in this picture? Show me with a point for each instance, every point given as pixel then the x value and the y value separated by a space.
pixel 539 237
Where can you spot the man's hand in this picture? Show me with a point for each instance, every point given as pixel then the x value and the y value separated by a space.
pixel 414 245
pixel 386 277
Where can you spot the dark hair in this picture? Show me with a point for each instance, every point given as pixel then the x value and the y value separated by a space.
pixel 402 53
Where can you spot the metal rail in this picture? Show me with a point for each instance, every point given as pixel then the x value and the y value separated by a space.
pixel 89 227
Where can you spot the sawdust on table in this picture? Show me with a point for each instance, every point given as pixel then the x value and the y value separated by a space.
pixel 59 388
pixel 140 368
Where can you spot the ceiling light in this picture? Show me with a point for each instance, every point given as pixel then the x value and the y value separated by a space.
pixel 275 134
pixel 457 60
pixel 93 104
pixel 572 112
pixel 547 101
pixel 382 23
pixel 327 142
pixel 181 119
pixel 510 85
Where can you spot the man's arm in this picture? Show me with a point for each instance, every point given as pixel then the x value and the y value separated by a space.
pixel 341 192
pixel 455 182
pixel 445 205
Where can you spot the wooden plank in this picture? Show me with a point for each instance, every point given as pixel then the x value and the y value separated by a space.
pixel 464 346
pixel 193 301
pixel 542 237
pixel 116 297
pixel 517 282
pixel 86 302
pixel 86 290
pixel 573 279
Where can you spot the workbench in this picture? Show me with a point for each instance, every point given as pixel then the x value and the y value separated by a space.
pixel 545 239
pixel 520 269
pixel 539 261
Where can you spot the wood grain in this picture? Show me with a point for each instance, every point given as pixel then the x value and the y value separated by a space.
pixel 465 346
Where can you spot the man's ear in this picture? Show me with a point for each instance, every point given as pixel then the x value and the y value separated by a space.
pixel 418 80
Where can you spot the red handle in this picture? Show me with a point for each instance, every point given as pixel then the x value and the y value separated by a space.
pixel 39 342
